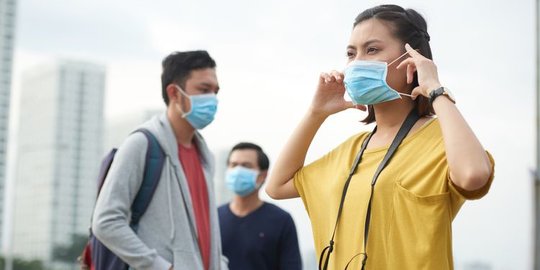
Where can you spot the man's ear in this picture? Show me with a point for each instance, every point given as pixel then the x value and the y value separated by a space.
pixel 262 177
pixel 172 92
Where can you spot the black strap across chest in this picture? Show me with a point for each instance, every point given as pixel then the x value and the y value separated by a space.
pixel 402 133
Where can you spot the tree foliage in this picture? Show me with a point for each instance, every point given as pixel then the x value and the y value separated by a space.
pixel 69 253
pixel 21 264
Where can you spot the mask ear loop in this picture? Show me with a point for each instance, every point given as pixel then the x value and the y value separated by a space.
pixel 264 180
pixel 395 60
pixel 405 53
pixel 184 114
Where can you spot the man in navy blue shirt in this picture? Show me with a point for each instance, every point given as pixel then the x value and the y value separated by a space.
pixel 255 235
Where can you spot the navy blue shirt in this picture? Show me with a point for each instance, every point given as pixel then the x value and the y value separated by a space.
pixel 265 239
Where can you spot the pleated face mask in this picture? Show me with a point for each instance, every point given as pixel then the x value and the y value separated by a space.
pixel 241 180
pixel 365 82
pixel 203 109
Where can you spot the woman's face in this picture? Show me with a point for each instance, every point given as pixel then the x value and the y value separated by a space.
pixel 373 40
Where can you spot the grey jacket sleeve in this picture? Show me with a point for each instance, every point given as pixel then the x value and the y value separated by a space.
pixel 110 222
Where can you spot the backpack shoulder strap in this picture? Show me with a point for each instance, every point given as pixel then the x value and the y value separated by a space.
pixel 104 168
pixel 155 158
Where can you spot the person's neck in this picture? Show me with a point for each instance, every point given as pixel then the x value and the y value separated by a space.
pixel 243 206
pixel 182 130
pixel 390 115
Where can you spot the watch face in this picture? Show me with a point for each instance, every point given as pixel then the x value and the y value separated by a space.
pixel 450 95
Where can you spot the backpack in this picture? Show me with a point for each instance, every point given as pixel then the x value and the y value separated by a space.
pixel 97 256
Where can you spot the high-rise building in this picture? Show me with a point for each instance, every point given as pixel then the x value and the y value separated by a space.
pixel 7 29
pixel 60 141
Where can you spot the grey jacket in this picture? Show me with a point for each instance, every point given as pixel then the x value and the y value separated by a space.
pixel 167 232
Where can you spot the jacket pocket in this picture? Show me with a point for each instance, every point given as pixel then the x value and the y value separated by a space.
pixel 420 233
pixel 186 260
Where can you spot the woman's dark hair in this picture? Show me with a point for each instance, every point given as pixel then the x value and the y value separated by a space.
pixel 177 68
pixel 410 27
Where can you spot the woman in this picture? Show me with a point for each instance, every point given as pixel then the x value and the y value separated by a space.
pixel 400 186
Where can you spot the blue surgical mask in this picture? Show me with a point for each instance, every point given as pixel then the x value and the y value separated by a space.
pixel 203 109
pixel 241 180
pixel 365 82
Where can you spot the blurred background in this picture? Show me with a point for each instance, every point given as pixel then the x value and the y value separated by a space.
pixel 78 76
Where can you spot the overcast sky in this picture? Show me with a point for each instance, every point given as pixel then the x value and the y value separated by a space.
pixel 269 55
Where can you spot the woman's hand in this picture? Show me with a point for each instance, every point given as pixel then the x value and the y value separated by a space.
pixel 329 98
pixel 428 78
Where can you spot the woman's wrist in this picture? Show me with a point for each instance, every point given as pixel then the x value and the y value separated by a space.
pixel 432 87
pixel 314 113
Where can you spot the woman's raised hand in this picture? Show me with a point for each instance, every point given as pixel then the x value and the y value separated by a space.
pixel 428 78
pixel 329 98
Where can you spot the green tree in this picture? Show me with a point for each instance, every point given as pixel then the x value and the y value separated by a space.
pixel 21 264
pixel 69 253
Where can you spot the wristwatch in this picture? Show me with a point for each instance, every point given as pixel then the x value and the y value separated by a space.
pixel 441 91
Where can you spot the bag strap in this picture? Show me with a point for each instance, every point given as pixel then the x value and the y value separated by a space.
pixel 104 169
pixel 402 133
pixel 154 161
pixel 325 254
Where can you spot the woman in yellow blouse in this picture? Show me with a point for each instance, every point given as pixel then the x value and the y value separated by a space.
pixel 386 199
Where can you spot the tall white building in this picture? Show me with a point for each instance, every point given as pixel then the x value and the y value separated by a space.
pixel 60 141
pixel 7 29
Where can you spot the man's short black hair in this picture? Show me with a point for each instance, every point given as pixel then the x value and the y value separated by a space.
pixel 262 158
pixel 177 68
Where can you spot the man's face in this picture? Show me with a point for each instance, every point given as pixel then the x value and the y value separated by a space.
pixel 246 158
pixel 199 82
